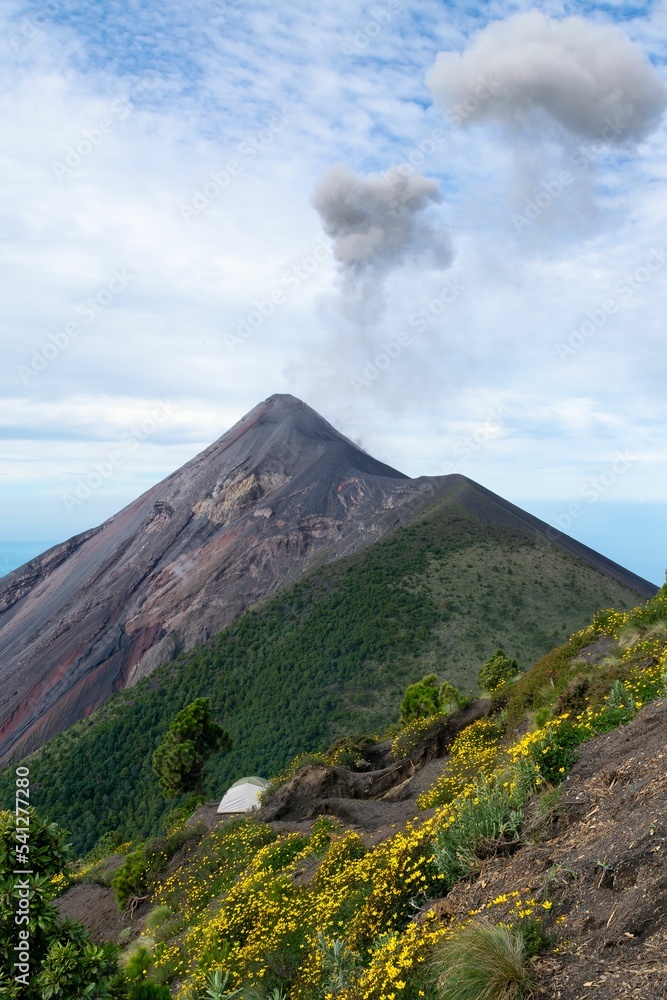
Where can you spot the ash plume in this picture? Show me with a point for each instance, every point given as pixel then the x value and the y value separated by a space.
pixel 571 75
pixel 377 223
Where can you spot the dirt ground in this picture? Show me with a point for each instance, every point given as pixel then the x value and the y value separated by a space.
pixel 601 859
pixel 95 907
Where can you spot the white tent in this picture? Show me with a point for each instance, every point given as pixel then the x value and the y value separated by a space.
pixel 243 795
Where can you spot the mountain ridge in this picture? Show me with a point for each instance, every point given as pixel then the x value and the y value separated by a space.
pixel 277 495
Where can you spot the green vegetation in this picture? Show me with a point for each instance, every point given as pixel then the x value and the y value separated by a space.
pixel 56 959
pixel 483 962
pixel 421 699
pixel 149 991
pixel 492 812
pixel 140 871
pixel 251 911
pixel 333 654
pixel 497 671
pixel 191 739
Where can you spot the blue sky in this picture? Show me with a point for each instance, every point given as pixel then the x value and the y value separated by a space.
pixel 134 268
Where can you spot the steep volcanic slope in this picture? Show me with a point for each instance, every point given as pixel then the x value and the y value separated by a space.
pixel 281 490
pixel 280 493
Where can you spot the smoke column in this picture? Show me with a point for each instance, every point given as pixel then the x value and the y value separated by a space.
pixel 377 223
pixel 587 79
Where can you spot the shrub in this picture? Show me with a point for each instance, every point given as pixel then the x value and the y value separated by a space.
pixel 64 962
pixel 421 699
pixel 138 964
pixel 132 878
pixel 483 962
pixel 76 967
pixel 149 991
pixel 177 817
pixel 536 940
pixel 139 873
pixel 489 814
pixel 497 671
pixel 413 733
pixel 556 753
pixel 574 697
pixel 473 753
pixel 451 697
pixel 105 846
pixel 528 692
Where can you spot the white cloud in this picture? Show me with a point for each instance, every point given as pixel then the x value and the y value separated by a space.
pixel 201 278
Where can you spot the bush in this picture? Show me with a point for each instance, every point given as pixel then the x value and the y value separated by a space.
pixel 64 962
pixel 138 964
pixel 556 754
pixel 149 991
pixel 575 696
pixel 421 700
pixel 133 878
pixel 139 873
pixel 528 692
pixel 177 817
pixel 451 697
pixel 536 940
pixel 105 846
pixel 414 733
pixel 489 814
pixel 483 962
pixel 497 671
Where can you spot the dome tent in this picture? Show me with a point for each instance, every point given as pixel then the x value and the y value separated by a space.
pixel 243 795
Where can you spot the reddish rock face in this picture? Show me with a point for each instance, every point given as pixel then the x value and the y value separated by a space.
pixel 277 495
pixel 281 491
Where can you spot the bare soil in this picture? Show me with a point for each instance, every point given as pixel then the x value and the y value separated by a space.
pixel 600 858
pixel 95 907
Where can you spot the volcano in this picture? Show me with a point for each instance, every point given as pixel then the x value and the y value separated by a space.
pixel 279 494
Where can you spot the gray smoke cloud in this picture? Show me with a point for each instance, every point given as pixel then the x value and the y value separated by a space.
pixel 377 222
pixel 530 69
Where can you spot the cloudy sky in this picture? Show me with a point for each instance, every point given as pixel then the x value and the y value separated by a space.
pixel 443 230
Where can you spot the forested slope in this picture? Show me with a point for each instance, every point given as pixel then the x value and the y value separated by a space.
pixel 330 655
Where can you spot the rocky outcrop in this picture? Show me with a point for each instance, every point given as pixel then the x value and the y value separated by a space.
pixel 321 788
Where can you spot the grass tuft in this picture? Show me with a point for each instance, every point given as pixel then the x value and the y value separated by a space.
pixel 483 962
